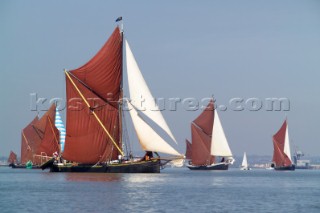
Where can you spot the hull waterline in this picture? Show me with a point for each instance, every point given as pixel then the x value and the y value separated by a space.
pixel 209 167
pixel 285 168
pixel 152 166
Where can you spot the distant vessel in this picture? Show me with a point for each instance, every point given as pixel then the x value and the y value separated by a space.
pixel 12 159
pixel 281 153
pixel 39 140
pixel 244 165
pixel 96 133
pixel 209 149
pixel 301 163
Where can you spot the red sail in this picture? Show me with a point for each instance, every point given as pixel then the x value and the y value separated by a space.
pixel 200 147
pixel 205 119
pixel 40 125
pixel 99 82
pixel 188 150
pixel 49 143
pixel 279 157
pixel 40 128
pixel 28 138
pixel 12 158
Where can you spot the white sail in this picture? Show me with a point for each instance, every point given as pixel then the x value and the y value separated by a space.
pixel 219 143
pixel 287 144
pixel 244 161
pixel 139 92
pixel 62 130
pixel 148 138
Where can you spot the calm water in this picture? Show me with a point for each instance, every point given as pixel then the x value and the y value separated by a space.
pixel 174 190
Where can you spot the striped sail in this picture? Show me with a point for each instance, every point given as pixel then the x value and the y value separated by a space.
pixel 60 126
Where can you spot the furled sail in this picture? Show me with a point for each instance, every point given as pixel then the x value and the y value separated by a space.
pixel 148 138
pixel 29 138
pixel 62 131
pixel 139 91
pixel 219 143
pixel 99 83
pixel 12 158
pixel 281 154
pixel 188 149
pixel 200 147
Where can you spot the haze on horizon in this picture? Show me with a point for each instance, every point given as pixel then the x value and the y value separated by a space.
pixel 185 49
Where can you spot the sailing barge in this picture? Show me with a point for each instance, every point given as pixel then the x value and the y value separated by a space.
pixel 95 128
pixel 39 140
pixel 209 149
pixel 281 154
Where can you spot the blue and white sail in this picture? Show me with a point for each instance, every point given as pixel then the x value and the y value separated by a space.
pixel 60 126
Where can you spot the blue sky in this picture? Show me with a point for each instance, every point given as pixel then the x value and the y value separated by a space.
pixel 260 49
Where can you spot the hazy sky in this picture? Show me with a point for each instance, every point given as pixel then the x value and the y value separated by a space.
pixel 232 49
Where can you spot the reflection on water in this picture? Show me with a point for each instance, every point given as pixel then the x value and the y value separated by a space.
pixel 92 177
pixel 145 178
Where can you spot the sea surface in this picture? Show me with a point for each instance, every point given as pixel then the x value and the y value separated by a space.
pixel 173 190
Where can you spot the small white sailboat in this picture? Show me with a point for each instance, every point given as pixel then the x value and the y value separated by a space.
pixel 244 165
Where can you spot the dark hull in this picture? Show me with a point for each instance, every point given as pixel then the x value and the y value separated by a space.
pixel 131 167
pixel 285 168
pixel 210 167
pixel 22 166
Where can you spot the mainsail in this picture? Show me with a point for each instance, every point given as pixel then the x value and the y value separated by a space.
pixel 92 130
pixel 281 153
pixel 29 139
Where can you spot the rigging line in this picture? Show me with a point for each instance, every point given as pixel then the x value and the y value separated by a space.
pixel 196 125
pixel 38 131
pixel 25 138
pixel 55 137
pixel 282 155
pixel 93 112
pixel 86 86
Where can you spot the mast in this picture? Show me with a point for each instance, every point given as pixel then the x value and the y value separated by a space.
pixel 121 93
